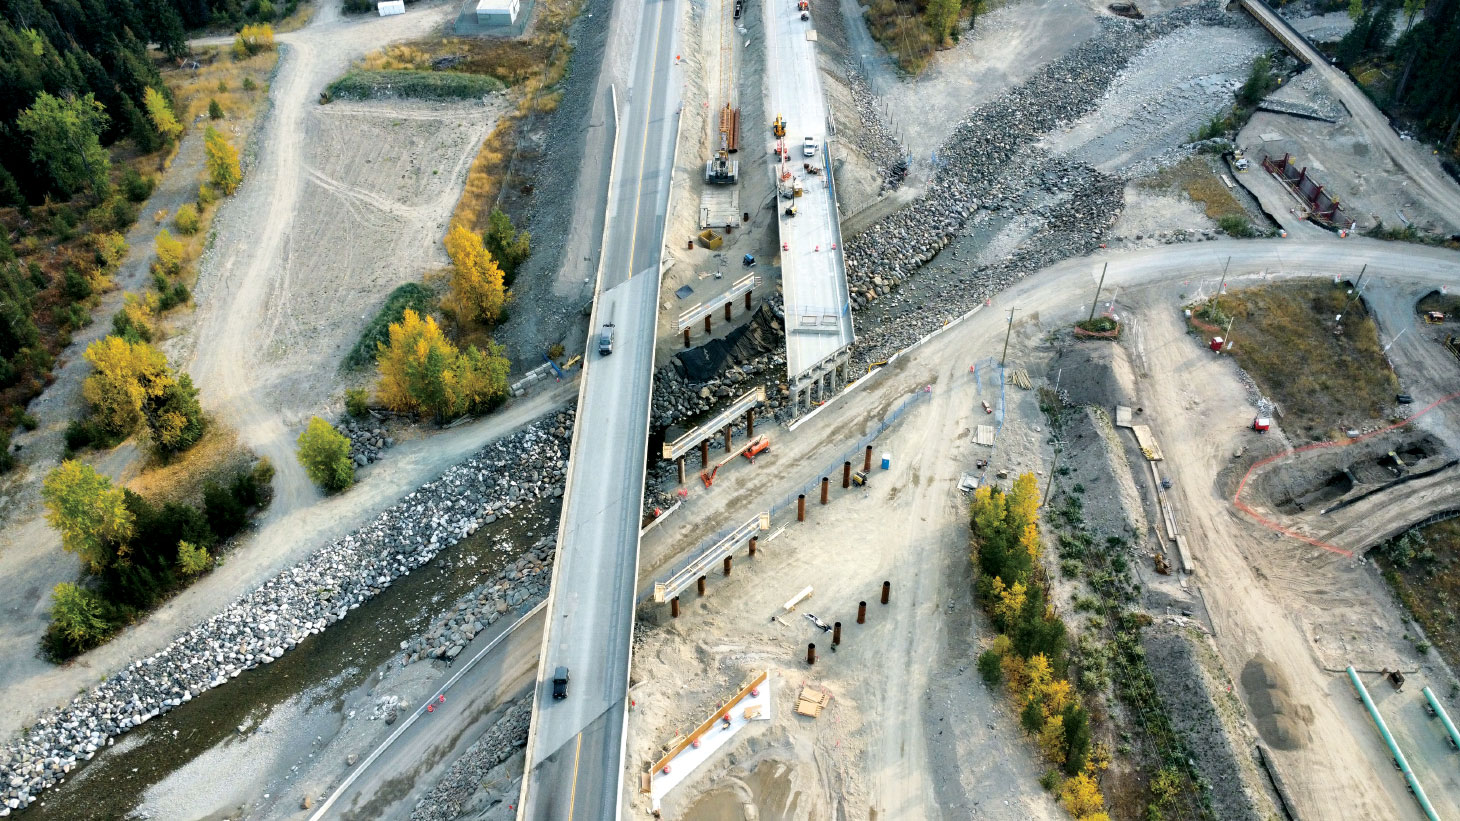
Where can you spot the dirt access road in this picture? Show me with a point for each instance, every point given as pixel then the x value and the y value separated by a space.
pixel 325 223
pixel 1341 768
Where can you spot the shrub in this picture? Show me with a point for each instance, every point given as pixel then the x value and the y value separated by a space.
pixel 186 219
pixel 215 111
pixel 79 618
pixel 508 246
pixel 207 195
pixel 174 417
pixel 251 40
pixel 410 296
pixel 135 187
pixel 990 667
pixel 192 560
pixel 325 454
pixel 420 85
pixel 357 402
pixel 169 253
pixel 1236 226
pixel 74 285
pixel 224 172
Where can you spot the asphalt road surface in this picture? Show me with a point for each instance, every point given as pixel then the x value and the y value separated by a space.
pixel 576 748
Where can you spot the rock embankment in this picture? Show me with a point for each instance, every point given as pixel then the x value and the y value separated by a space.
pixel 449 798
pixel 523 582
pixel 267 622
pixel 972 166
pixel 368 438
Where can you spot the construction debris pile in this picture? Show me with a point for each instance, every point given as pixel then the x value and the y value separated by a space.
pixel 260 626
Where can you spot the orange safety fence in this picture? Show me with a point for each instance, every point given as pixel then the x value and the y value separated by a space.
pixel 1271 525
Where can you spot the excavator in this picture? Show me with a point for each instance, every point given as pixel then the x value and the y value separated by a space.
pixel 757 446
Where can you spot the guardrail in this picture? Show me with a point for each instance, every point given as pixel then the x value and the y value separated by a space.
pixel 700 565
pixel 742 286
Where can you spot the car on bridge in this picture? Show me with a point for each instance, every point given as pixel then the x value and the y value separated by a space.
pixel 560 684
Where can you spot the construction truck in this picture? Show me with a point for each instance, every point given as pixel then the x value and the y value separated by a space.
pixel 1434 317
pixel 778 128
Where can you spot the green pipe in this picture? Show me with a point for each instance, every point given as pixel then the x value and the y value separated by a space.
pixel 1444 717
pixel 1414 787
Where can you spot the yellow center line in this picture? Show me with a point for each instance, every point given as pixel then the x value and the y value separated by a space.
pixel 573 791
pixel 648 101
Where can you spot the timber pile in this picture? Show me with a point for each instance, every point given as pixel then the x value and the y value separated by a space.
pixel 811 701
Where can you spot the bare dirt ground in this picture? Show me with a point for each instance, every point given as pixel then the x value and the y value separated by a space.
pixel 1292 612
pixel 1267 597
pixel 282 249
pixel 911 732
pixel 1004 47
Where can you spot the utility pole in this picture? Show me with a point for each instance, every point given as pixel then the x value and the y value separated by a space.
pixel 1096 301
pixel 1054 466
pixel 1227 340
pixel 1222 288
pixel 1005 355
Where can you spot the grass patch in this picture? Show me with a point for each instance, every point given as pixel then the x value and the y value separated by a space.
pixel 1421 568
pixel 1099 325
pixel 220 77
pixel 411 295
pixel 1195 178
pixel 1283 336
pixel 412 84
pixel 899 27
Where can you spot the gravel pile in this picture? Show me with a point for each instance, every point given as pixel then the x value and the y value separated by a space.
pixel 262 625
pixel 368 437
pixel 524 582
pixel 1076 224
pixel 446 801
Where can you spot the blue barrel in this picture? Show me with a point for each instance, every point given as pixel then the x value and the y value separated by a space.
pixel 886 461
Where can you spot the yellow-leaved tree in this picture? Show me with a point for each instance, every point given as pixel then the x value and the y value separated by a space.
pixel 478 292
pixel 128 374
pixel 1081 796
pixel 91 514
pixel 422 372
pixel 222 160
pixel 161 115
pixel 1023 501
